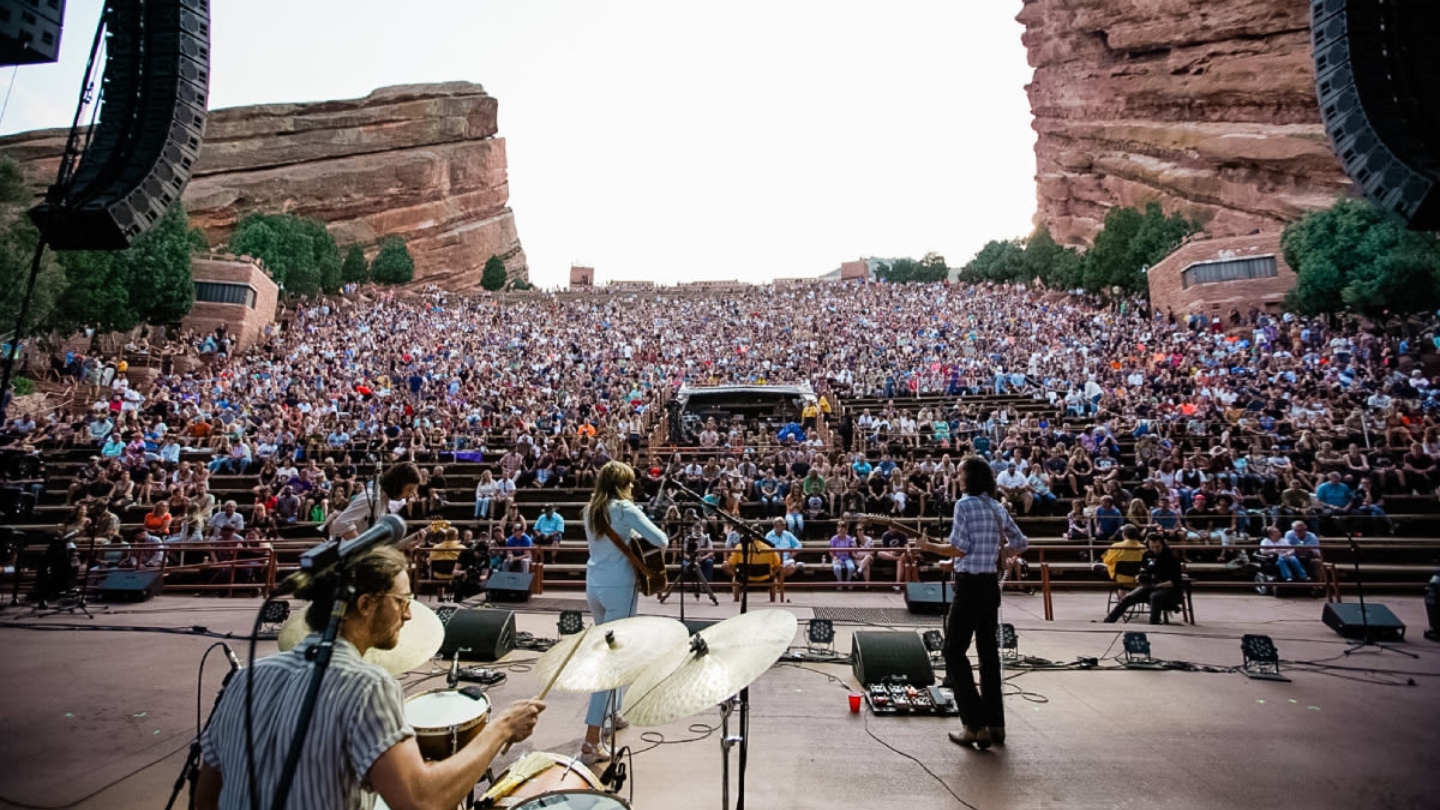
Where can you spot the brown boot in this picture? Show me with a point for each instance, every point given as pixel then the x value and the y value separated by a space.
pixel 971 737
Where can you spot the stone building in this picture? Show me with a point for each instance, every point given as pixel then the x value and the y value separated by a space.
pixel 1209 276
pixel 582 276
pixel 234 291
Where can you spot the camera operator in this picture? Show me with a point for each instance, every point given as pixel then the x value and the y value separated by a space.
pixel 1159 581
pixel 699 550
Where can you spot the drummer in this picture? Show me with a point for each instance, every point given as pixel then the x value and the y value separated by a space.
pixel 359 741
pixel 610 518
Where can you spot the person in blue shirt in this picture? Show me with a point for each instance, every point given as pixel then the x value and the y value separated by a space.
pixel 519 543
pixel 611 518
pixel 1108 519
pixel 1333 496
pixel 549 529
pixel 781 539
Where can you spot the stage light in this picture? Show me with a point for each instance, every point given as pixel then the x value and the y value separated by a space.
pixel 571 622
pixel 1262 660
pixel 934 641
pixel 820 631
pixel 273 616
pixel 1009 642
pixel 1137 652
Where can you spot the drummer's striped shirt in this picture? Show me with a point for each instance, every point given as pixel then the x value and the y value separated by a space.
pixel 360 714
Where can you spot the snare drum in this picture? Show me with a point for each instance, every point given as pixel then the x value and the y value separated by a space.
pixel 445 720
pixel 544 776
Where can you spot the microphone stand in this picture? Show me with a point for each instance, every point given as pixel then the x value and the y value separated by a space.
pixel 747 545
pixel 1365 640
pixel 320 654
pixel 191 770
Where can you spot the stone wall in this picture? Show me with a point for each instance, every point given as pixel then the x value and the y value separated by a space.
pixel 1206 106
pixel 419 161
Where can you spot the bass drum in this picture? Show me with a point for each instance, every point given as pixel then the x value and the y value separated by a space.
pixel 446 719
pixel 574 800
pixel 541 775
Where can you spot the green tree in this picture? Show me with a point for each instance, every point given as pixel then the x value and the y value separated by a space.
pixel 932 267
pixel 1358 258
pixel 1130 242
pixel 1056 265
pixel 494 276
pixel 999 260
pixel 18 238
pixel 300 254
pixel 354 270
pixel 393 264
pixel 156 270
pixel 899 271
pixel 148 282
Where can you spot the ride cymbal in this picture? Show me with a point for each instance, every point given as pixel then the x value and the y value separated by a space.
pixel 609 655
pixel 716 663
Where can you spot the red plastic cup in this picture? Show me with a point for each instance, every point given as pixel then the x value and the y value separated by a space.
pixel 854 702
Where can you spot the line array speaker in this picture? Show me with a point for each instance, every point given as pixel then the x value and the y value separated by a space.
pixel 152 121
pixel 1378 85
pixel 30 31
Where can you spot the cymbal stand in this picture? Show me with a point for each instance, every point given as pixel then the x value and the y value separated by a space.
pixel 747 544
pixel 726 743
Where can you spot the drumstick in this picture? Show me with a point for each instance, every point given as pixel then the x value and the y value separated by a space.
pixel 553 678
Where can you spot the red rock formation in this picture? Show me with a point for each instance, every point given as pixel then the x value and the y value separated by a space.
pixel 419 161
pixel 1206 106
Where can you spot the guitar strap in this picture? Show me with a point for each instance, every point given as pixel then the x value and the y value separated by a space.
pixel 625 549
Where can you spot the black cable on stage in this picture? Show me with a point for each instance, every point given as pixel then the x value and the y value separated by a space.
pixel 922 765
pixel 250 708
pixel 657 739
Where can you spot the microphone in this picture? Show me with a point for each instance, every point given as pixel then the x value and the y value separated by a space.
pixel 388 530
pixel 230 654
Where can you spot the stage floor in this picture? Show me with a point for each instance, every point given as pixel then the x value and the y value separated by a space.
pixel 103 719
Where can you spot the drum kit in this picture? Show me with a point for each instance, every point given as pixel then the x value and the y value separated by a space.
pixel 671 675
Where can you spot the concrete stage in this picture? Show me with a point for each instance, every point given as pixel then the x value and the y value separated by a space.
pixel 103 719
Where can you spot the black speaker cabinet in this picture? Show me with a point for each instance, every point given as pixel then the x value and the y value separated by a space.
pixel 928 597
pixel 896 656
pixel 509 586
pixel 1347 619
pixel 478 635
pixel 130 586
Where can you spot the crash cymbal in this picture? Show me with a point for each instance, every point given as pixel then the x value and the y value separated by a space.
pixel 716 663
pixel 609 655
pixel 420 639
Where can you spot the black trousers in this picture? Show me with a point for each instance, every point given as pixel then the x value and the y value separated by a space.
pixel 975 614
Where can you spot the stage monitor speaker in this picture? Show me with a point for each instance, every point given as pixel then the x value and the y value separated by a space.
pixel 509 586
pixel 30 31
pixel 479 635
pixel 130 586
pixel 1347 619
pixel 876 657
pixel 1378 86
pixel 928 597
pixel 152 120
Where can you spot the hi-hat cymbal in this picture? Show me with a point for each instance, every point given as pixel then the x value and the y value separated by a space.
pixel 716 663
pixel 420 639
pixel 609 655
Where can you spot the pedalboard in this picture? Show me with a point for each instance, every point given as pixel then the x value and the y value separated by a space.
pixel 897 698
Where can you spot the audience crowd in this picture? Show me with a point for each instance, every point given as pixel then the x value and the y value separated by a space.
pixel 1203 429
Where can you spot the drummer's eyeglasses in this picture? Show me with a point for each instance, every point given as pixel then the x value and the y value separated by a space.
pixel 405 598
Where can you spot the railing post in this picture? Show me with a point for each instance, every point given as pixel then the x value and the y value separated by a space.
pixel 1045 588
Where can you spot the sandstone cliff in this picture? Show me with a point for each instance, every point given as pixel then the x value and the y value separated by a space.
pixel 1207 106
pixel 419 161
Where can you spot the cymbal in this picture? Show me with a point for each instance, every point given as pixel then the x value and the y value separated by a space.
pixel 420 639
pixel 610 655
pixel 717 662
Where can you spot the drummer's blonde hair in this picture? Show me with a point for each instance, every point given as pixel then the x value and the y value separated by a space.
pixel 612 480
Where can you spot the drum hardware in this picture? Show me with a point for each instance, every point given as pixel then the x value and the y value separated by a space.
pixel 611 655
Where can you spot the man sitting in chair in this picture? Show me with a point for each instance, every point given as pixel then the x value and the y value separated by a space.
pixel 1159 582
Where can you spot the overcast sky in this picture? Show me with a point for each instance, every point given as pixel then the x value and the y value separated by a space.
pixel 671 140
